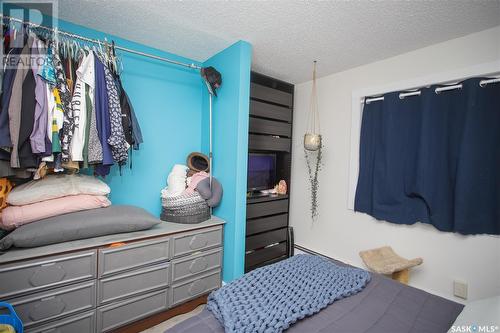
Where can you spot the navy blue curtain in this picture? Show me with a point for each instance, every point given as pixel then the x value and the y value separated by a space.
pixel 433 158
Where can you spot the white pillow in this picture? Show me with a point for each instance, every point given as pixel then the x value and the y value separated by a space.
pixel 479 316
pixel 56 186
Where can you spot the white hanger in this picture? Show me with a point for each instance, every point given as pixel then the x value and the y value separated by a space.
pixel 80 52
pixel 100 48
pixel 106 50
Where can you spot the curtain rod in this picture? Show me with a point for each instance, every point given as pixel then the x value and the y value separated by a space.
pixel 97 41
pixel 482 83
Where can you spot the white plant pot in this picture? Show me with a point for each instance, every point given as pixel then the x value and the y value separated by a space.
pixel 312 141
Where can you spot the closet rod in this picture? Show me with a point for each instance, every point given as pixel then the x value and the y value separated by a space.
pixel 96 41
pixel 482 83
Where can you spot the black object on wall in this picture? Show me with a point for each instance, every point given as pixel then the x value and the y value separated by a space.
pixel 268 238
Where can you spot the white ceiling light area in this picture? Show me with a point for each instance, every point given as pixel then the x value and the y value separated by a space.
pixel 287 35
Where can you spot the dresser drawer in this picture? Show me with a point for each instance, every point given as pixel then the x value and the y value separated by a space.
pixel 255 226
pixel 83 323
pixel 196 263
pixel 269 253
pixel 184 291
pixel 113 260
pixel 115 315
pixel 271 95
pixel 133 283
pixel 267 142
pixel 40 274
pixel 270 111
pixel 266 239
pixel 267 208
pixel 269 127
pixel 190 242
pixel 53 304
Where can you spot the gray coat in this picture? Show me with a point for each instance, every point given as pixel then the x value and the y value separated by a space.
pixel 16 102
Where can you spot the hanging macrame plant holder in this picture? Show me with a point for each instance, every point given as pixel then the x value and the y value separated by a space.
pixel 313 146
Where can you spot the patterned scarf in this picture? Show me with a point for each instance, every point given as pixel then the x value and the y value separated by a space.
pixel 65 94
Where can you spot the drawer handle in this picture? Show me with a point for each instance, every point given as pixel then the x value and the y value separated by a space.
pixel 46 308
pixel 198 241
pixel 197 287
pixel 47 274
pixel 198 265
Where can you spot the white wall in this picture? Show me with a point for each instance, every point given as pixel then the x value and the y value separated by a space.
pixel 339 232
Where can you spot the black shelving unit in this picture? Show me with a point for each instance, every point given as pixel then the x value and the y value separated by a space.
pixel 270 131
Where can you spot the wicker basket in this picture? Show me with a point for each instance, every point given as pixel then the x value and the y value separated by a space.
pixel 185 208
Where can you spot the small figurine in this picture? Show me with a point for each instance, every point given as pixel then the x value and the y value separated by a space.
pixel 281 187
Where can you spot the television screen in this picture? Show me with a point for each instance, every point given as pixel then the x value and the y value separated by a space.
pixel 261 171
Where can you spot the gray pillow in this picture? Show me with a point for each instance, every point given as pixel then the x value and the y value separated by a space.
pixel 80 225
pixel 212 196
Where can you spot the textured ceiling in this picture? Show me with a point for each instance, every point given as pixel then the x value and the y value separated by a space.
pixel 287 35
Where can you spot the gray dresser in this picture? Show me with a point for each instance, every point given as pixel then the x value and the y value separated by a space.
pixel 93 286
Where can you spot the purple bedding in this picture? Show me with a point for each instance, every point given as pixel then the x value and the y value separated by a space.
pixel 384 306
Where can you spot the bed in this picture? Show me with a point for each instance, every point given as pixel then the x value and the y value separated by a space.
pixel 384 306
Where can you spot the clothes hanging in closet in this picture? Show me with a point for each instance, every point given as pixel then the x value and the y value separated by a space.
pixel 62 111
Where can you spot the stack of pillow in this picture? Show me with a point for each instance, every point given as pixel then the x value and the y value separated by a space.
pixel 52 196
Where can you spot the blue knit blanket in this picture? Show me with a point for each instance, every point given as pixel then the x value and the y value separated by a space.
pixel 272 298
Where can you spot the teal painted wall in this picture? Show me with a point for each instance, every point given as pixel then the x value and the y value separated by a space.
pixel 168 102
pixel 230 148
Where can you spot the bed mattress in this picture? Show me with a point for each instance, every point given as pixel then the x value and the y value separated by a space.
pixel 384 306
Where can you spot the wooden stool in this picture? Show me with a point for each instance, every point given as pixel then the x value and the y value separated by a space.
pixel 384 260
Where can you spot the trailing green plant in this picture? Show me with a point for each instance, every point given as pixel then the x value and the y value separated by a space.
pixel 313 171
